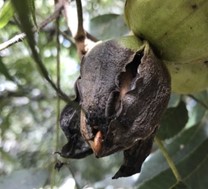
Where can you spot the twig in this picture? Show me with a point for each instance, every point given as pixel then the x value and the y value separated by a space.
pixel 36 57
pixel 83 40
pixel 45 74
pixel 58 81
pixel 91 37
pixel 199 101
pixel 19 37
pixel 56 135
pixel 59 6
pixel 71 39
pixel 80 35
pixel 168 159
pixel 66 12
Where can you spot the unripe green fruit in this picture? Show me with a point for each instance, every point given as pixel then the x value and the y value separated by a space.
pixel 178 32
pixel 188 77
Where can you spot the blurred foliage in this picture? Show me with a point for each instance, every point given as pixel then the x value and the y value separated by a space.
pixel 28 111
pixel 170 128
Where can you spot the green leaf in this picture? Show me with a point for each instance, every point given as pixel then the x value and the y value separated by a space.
pixel 174 100
pixel 197 109
pixel 32 10
pixel 198 178
pixel 24 179
pixel 173 121
pixel 189 152
pixel 196 114
pixel 179 185
pixel 108 26
pixel 201 97
pixel 23 10
pixel 6 13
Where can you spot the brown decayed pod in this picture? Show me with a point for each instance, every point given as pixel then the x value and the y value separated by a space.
pixel 123 91
pixel 94 141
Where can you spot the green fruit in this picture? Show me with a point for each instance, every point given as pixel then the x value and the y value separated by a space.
pixel 177 31
pixel 188 77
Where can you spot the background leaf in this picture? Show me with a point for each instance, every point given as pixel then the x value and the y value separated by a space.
pixel 189 152
pixel 179 185
pixel 24 12
pixel 174 100
pixel 197 105
pixel 108 26
pixel 6 13
pixel 173 121
pixel 32 10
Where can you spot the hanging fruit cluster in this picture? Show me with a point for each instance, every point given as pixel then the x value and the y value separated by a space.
pixel 124 87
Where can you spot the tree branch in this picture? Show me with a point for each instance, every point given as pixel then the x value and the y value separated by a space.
pixel 67 37
pixel 19 37
pixel 25 22
pixel 83 40
pixel 80 35
pixel 58 80
pixel 91 37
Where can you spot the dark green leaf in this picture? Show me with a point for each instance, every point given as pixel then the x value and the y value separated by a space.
pixel 197 105
pixel 6 13
pixel 179 185
pixel 173 121
pixel 23 10
pixel 32 9
pixel 174 100
pixel 108 26
pixel 201 98
pixel 196 114
pixel 198 178
pixel 188 151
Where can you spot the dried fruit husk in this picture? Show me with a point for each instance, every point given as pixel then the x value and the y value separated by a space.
pixel 123 93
